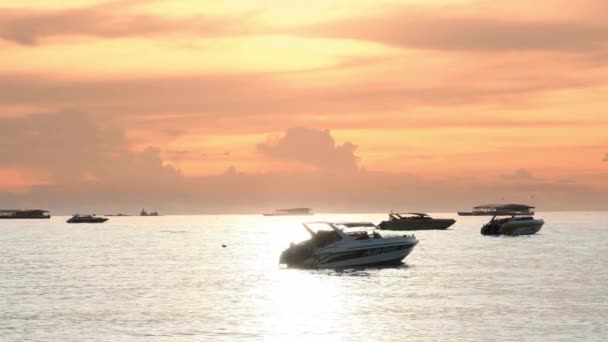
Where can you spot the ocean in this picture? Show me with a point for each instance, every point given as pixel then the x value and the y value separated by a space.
pixel 168 278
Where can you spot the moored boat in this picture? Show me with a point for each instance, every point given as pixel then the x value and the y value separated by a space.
pixel 25 214
pixel 512 226
pixel 508 219
pixel 414 221
pixel 77 218
pixel 346 244
pixel 291 212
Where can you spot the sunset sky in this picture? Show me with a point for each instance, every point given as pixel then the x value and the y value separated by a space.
pixel 247 106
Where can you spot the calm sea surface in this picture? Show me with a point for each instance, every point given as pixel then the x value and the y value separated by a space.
pixel 169 279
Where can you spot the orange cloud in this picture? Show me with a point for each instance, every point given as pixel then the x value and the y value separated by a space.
pixel 74 147
pixel 455 28
pixel 458 96
pixel 312 147
pixel 92 168
pixel 519 175
pixel 107 20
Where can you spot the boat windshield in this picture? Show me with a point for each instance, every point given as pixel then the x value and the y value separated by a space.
pixel 315 227
pixel 324 237
pixel 359 230
pixel 507 218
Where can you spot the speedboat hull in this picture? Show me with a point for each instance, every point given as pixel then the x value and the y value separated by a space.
pixel 367 253
pixel 367 257
pixel 88 220
pixel 513 228
pixel 417 224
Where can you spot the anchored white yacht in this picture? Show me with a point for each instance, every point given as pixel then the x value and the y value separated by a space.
pixel 512 226
pixel 509 219
pixel 347 244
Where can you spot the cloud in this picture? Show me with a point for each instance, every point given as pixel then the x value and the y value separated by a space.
pixel 92 169
pixel 174 132
pixel 265 98
pixel 76 148
pixel 518 175
pixel 522 186
pixel 312 147
pixel 450 28
pixel 417 27
pixel 114 19
pixel 557 193
pixel 606 157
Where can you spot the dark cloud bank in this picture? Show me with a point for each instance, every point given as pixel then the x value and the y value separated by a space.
pixel 94 171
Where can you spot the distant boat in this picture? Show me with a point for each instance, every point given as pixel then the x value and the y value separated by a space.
pixel 25 214
pixel 291 212
pixel 145 213
pixel 512 226
pixel 519 219
pixel 414 221
pixel 86 219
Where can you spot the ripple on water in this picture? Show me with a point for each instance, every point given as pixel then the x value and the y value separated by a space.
pixel 170 279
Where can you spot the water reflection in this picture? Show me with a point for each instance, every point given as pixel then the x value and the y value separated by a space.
pixel 128 280
pixel 304 305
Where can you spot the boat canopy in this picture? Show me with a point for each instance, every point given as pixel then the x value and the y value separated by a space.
pixel 413 214
pixel 313 227
pixel 340 225
pixel 398 216
pixel 505 206
pixel 504 209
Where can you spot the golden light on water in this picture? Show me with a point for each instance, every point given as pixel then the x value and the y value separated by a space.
pixel 299 302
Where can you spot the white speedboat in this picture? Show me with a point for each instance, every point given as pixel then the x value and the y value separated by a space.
pixel 512 226
pixel 347 244
pixel 510 219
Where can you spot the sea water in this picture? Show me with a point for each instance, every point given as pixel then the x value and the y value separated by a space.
pixel 169 278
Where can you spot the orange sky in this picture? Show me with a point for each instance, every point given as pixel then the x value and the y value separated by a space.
pixel 443 91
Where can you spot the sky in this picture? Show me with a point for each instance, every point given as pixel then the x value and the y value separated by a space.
pixel 248 106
